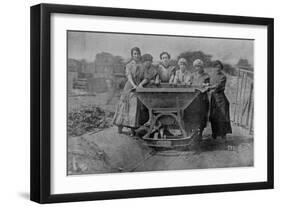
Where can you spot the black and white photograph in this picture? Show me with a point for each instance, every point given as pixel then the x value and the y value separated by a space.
pixel 150 102
pixel 132 103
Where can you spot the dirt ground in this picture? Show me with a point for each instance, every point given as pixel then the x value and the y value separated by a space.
pixel 108 152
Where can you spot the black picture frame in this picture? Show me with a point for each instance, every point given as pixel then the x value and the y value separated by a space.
pixel 41 102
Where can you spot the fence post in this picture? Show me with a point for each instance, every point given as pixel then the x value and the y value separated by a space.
pixel 243 91
pixel 250 108
pixel 250 104
pixel 236 101
pixel 239 100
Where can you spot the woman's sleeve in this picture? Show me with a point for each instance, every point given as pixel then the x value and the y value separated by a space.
pixel 128 73
pixel 173 72
pixel 176 78
pixel 220 86
pixel 190 79
pixel 128 70
pixel 207 79
pixel 150 74
pixel 172 77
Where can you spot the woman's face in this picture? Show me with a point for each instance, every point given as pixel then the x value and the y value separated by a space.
pixel 218 68
pixel 182 67
pixel 147 63
pixel 136 55
pixel 165 59
pixel 199 69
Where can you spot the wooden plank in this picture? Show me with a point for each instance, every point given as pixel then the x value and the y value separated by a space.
pixel 236 99
pixel 250 104
pixel 243 91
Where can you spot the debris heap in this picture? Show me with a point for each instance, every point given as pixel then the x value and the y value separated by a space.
pixel 88 119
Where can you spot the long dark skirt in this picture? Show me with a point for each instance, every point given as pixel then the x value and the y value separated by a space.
pixel 196 114
pixel 219 114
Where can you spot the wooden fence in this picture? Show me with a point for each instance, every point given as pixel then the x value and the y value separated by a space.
pixel 243 113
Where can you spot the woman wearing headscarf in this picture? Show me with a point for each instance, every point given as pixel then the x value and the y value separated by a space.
pixel 219 113
pixel 201 79
pixel 183 75
pixel 128 109
pixel 166 72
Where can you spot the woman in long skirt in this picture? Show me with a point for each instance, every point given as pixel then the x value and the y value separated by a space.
pixel 219 112
pixel 201 79
pixel 128 109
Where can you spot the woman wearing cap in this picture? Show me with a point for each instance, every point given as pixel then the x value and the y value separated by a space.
pixel 128 109
pixel 219 113
pixel 166 72
pixel 150 73
pixel 183 75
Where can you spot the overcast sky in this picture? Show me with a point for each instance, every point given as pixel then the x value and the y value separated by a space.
pixel 85 45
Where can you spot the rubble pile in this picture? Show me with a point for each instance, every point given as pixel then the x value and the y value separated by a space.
pixel 88 119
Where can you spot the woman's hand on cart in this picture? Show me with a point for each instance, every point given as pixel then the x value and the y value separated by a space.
pixel 139 86
pixel 133 88
pixel 157 82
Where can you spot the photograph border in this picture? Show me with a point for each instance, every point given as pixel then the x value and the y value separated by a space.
pixel 40 138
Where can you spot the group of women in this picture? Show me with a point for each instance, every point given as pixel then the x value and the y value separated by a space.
pixel 140 72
